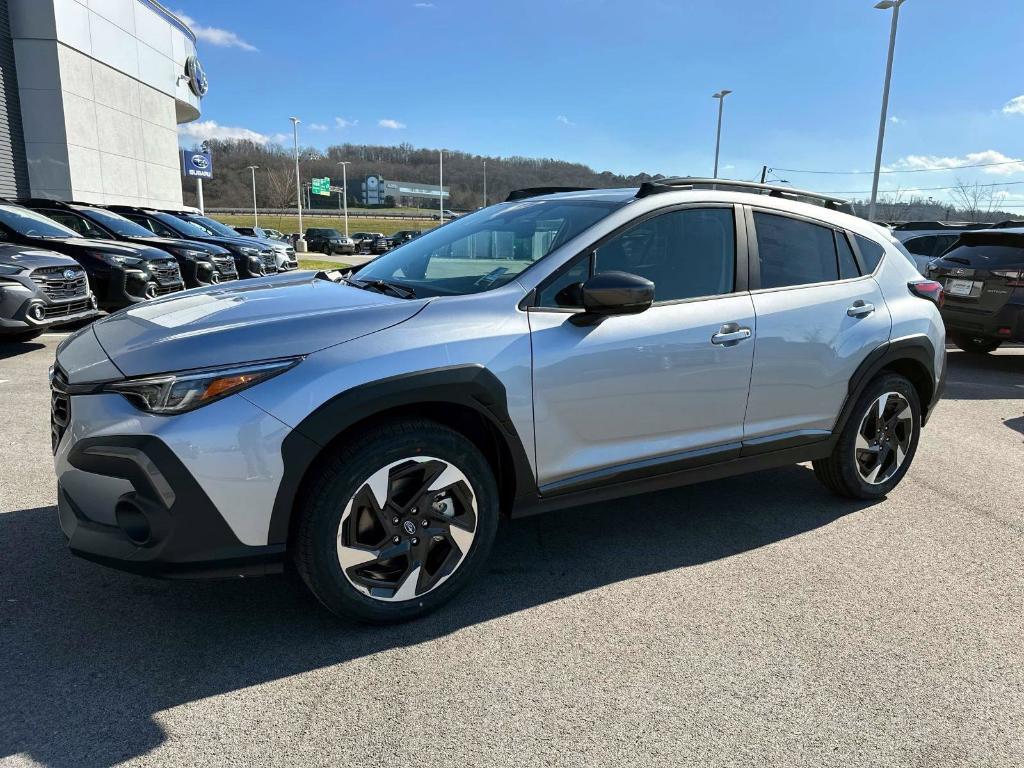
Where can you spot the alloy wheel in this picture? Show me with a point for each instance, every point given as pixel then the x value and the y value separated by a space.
pixel 407 529
pixel 884 438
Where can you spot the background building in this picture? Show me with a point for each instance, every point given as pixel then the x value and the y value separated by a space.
pixel 92 94
pixel 376 191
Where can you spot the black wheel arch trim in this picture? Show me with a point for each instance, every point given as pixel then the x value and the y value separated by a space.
pixel 469 386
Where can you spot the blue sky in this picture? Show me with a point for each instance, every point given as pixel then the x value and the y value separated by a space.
pixel 626 86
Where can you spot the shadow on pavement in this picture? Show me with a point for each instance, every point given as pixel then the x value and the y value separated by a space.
pixel 985 377
pixel 15 348
pixel 89 655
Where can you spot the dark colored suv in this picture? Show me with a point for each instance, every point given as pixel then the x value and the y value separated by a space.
pixel 200 263
pixel 405 235
pixel 983 274
pixel 120 273
pixel 250 259
pixel 329 241
pixel 39 289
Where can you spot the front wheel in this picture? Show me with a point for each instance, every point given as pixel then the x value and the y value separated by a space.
pixel 974 345
pixel 397 522
pixel 878 443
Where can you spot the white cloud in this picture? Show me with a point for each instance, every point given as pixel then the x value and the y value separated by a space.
pixel 341 122
pixel 423 5
pixel 214 36
pixel 564 120
pixel 317 127
pixel 392 124
pixel 1010 165
pixel 1014 106
pixel 211 129
pixel 897 120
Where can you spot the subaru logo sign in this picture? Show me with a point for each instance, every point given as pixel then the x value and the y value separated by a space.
pixel 70 274
pixel 197 81
pixel 197 164
pixel 200 162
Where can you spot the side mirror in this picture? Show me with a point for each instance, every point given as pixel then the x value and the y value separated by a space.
pixel 614 293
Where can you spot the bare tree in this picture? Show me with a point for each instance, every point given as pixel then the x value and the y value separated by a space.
pixel 279 188
pixel 975 200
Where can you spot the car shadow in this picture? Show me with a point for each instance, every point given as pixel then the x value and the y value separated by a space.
pixel 1016 424
pixel 985 377
pixel 90 655
pixel 14 348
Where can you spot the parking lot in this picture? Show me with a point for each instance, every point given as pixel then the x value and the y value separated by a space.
pixel 751 621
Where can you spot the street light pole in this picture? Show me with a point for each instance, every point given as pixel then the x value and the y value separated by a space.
pixel 884 5
pixel 344 186
pixel 255 213
pixel 298 183
pixel 718 134
pixel 441 183
pixel 485 183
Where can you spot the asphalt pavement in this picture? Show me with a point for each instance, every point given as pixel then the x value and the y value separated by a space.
pixel 754 621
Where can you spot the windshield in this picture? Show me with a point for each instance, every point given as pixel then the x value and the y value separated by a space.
pixel 183 227
pixel 215 227
pixel 32 224
pixel 485 249
pixel 119 225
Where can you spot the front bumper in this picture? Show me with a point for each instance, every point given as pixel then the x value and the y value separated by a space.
pixel 20 305
pixel 188 496
pixel 1007 324
pixel 120 288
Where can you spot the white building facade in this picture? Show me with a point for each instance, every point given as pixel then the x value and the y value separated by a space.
pixel 101 87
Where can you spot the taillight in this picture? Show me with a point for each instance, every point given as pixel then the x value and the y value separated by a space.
pixel 928 289
pixel 1014 277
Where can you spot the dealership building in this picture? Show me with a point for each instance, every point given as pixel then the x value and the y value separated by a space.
pixel 91 96
pixel 375 191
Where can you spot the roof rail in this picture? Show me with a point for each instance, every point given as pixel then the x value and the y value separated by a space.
pixel 522 194
pixel 1009 223
pixel 911 226
pixel 773 190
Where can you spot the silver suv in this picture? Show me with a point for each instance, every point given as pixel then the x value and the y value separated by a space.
pixel 372 427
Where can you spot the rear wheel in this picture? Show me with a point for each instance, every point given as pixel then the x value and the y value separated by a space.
pixel 395 525
pixel 878 443
pixel 976 345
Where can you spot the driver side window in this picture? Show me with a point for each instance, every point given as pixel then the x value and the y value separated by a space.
pixel 687 254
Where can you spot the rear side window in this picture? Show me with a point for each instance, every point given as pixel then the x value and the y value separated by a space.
pixel 794 252
pixel 871 252
pixel 930 245
pixel 847 263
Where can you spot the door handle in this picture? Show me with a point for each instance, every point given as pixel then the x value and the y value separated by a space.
pixel 860 309
pixel 730 334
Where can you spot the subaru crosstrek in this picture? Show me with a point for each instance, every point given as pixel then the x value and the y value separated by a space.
pixel 371 428
pixel 40 289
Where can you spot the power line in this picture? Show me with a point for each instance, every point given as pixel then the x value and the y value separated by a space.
pixel 912 170
pixel 920 189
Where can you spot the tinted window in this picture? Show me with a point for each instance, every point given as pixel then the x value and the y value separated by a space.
pixel 871 252
pixel 847 263
pixel 930 245
pixel 174 225
pixel 988 256
pixel 686 254
pixel 564 290
pixel 32 224
pixel 81 225
pixel 793 252
pixel 117 223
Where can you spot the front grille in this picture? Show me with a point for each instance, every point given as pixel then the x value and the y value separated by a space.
pixel 225 268
pixel 166 272
pixel 291 252
pixel 66 309
pixel 58 287
pixel 269 261
pixel 163 290
pixel 60 407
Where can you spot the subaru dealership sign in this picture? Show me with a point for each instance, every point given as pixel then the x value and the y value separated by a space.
pixel 196 165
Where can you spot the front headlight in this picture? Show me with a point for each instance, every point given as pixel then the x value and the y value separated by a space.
pixel 119 260
pixel 10 269
pixel 249 251
pixel 189 254
pixel 185 391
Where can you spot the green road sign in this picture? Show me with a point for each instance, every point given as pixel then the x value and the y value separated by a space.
pixel 322 186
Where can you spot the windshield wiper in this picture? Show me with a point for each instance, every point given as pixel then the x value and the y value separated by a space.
pixel 383 286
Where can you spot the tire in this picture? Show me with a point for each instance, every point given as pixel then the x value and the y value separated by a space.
pixel 848 470
pixel 338 520
pixel 24 336
pixel 976 346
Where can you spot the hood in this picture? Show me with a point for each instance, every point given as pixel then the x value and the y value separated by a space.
pixel 237 242
pixel 244 321
pixel 191 245
pixel 109 246
pixel 31 258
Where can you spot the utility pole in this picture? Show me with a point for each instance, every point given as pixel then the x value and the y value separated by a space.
pixel 485 183
pixel 298 180
pixel 718 134
pixel 344 187
pixel 255 213
pixel 441 183
pixel 764 173
pixel 884 5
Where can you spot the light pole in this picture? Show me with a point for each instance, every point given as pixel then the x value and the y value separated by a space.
pixel 441 183
pixel 255 214
pixel 718 134
pixel 344 187
pixel 485 183
pixel 298 184
pixel 884 5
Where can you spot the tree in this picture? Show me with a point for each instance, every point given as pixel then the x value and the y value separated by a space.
pixel 976 200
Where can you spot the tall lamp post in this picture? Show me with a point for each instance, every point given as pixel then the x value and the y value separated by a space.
pixel 440 184
pixel 255 213
pixel 884 5
pixel 718 134
pixel 344 187
pixel 485 183
pixel 298 184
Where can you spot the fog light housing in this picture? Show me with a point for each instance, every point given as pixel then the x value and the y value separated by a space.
pixel 132 521
pixel 37 312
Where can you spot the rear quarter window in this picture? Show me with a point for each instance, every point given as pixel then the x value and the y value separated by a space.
pixel 872 253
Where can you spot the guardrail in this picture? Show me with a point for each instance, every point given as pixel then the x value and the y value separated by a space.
pixel 361 213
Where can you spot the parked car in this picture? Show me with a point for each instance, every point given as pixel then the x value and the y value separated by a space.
pixel 983 276
pixel 374 428
pixel 284 253
pixel 405 235
pixel 276 234
pixel 371 242
pixel 448 215
pixel 40 289
pixel 329 241
pixel 120 274
pixel 925 240
pixel 251 259
pixel 200 263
